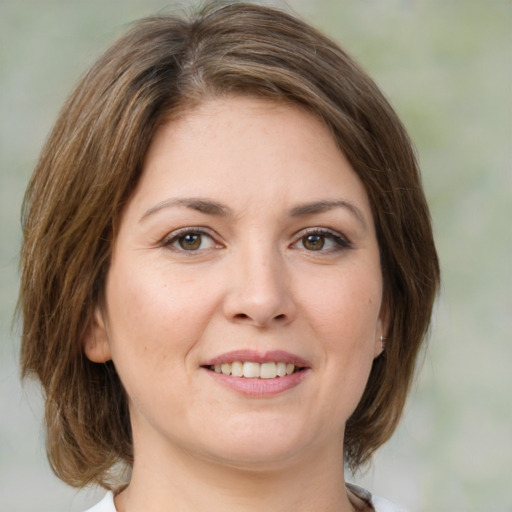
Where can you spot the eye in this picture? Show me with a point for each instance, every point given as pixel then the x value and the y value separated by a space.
pixel 321 240
pixel 190 240
pixel 313 242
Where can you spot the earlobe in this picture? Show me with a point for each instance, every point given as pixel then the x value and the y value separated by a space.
pixel 380 347
pixel 382 329
pixel 95 342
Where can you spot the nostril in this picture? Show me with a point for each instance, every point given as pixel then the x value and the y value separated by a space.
pixel 244 316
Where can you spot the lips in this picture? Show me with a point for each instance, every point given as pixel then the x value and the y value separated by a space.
pixel 258 357
pixel 254 373
pixel 253 356
pixel 254 370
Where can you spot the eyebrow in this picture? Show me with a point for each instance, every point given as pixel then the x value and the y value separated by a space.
pixel 201 205
pixel 324 206
pixel 210 207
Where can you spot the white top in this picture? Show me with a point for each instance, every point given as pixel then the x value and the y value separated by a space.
pixel 105 505
pixel 379 504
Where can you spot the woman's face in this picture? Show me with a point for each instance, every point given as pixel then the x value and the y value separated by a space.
pixel 247 247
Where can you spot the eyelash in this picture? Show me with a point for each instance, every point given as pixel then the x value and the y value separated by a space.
pixel 175 236
pixel 340 242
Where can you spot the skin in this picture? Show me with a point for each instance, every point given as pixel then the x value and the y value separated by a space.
pixel 254 282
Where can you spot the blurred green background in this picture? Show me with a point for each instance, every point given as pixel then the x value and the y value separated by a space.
pixel 447 68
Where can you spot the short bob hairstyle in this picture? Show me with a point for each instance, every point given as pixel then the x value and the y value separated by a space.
pixel 92 161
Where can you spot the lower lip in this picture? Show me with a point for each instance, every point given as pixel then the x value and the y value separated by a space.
pixel 260 387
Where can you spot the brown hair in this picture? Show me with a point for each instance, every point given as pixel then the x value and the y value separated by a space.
pixel 93 159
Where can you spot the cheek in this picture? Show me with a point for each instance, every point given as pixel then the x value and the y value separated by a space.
pixel 346 307
pixel 152 318
pixel 344 315
pixel 153 325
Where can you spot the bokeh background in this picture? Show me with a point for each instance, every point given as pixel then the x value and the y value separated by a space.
pixel 446 66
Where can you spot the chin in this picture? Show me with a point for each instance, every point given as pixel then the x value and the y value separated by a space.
pixel 257 445
pixel 254 460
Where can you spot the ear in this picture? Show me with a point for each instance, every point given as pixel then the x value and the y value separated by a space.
pixel 95 342
pixel 381 332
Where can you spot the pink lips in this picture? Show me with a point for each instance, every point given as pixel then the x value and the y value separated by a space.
pixel 255 387
pixel 258 357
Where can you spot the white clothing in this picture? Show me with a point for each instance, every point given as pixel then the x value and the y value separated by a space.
pixel 105 505
pixel 379 504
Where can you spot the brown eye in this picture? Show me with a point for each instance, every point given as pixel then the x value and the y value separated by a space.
pixel 190 242
pixel 313 242
pixel 322 240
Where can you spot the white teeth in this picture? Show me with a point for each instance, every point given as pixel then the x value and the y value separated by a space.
pixel 252 370
pixel 268 371
pixel 237 369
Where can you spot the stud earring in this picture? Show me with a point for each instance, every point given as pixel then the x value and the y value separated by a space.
pixel 383 343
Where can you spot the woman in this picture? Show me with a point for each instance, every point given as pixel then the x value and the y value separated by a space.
pixel 227 271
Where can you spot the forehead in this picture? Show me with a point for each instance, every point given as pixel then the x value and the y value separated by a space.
pixel 242 149
pixel 239 116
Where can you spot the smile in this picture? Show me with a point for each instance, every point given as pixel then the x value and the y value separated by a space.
pixel 257 374
pixel 254 370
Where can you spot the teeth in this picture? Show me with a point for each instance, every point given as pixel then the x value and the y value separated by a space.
pixel 268 371
pixel 252 370
pixel 237 369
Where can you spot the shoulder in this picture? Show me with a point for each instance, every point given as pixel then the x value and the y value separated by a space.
pixel 378 504
pixel 105 505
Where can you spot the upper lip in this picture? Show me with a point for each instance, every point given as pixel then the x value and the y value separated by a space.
pixel 276 356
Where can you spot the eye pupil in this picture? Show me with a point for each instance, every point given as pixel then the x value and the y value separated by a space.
pixel 313 242
pixel 190 242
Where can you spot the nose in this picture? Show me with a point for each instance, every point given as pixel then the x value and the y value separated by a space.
pixel 259 291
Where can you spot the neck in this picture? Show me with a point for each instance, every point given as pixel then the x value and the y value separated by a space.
pixel 179 482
